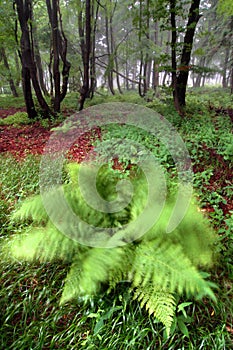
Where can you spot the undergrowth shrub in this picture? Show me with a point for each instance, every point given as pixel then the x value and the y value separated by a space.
pixel 19 118
pixel 158 267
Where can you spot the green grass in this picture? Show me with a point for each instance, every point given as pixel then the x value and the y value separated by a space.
pixel 31 317
pixel 8 101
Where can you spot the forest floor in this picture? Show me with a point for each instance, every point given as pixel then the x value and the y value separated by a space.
pixel 29 298
pixel 31 139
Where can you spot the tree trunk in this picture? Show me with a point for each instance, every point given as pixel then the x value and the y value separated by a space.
pixel 225 66
pixel 173 49
pixel 24 10
pixel 155 76
pixel 145 71
pixel 38 58
pixel 10 79
pixel 27 91
pixel 115 56
pixel 85 44
pixel 110 66
pixel 18 68
pixel 140 85
pixel 58 54
pixel 182 79
pixel 92 58
pixel 148 74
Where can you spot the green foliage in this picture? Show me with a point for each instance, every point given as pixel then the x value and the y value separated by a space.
pixel 8 101
pixel 159 266
pixel 18 180
pixel 16 119
pixel 29 293
pixel 225 7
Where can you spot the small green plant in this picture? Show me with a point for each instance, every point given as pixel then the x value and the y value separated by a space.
pixel 158 266
pixel 19 118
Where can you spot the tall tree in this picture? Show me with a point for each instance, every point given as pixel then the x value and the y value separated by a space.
pixel 3 56
pixel 225 8
pixel 180 73
pixel 8 47
pixel 173 54
pixel 87 17
pixel 58 54
pixel 29 71
pixel 184 67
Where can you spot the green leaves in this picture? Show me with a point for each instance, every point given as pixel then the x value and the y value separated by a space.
pixel 87 273
pixel 160 303
pixel 159 266
pixel 225 7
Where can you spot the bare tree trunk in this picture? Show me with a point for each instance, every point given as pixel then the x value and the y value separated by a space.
pixel 92 58
pixel 145 71
pixel 18 68
pixel 24 10
pixel 155 76
pixel 10 79
pixel 38 58
pixel 140 85
pixel 110 66
pixel 173 49
pixel 225 66
pixel 147 64
pixel 59 53
pixel 182 79
pixel 115 60
pixel 85 44
pixel 27 91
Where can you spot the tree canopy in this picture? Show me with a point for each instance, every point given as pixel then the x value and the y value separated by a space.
pixel 97 45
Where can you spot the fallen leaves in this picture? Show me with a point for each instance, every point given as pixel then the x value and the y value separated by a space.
pixel 31 139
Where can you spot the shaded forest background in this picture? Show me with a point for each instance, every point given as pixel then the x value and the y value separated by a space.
pixel 49 48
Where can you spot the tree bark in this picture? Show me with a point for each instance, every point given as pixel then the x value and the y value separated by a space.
pixel 10 79
pixel 85 44
pixel 38 58
pixel 183 74
pixel 59 53
pixel 29 72
pixel 93 82
pixel 155 76
pixel 173 50
pixel 109 70
pixel 225 66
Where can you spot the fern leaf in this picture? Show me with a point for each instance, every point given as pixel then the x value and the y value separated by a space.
pixel 43 244
pixel 93 268
pixel 161 304
pixel 166 266
pixel 31 208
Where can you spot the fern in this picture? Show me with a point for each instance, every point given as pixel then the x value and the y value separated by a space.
pixel 103 261
pixel 168 268
pixel 158 265
pixel 160 303
pixel 43 244
pixel 32 208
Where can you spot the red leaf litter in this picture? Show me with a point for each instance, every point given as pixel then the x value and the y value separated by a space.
pixel 5 112
pixel 31 139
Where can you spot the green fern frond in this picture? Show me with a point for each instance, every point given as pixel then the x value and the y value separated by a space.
pixel 193 234
pixel 161 304
pixel 43 244
pixel 31 208
pixel 96 265
pixel 166 266
pixel 158 265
